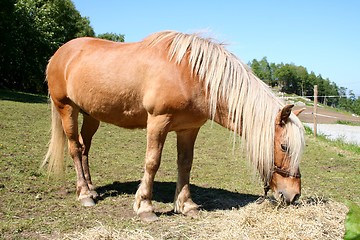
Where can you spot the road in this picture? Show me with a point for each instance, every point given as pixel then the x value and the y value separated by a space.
pixel 327 119
pixel 349 134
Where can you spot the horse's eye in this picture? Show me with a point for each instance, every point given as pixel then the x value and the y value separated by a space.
pixel 284 147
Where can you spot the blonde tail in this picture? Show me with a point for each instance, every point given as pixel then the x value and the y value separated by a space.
pixel 55 155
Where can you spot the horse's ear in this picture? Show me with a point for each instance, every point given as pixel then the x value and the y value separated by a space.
pixel 284 114
pixel 297 112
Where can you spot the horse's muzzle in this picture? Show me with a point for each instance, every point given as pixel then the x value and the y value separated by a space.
pixel 288 198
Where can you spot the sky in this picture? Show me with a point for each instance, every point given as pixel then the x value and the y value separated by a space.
pixel 321 35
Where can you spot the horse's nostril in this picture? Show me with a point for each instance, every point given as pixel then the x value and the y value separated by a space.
pixel 296 197
pixel 283 198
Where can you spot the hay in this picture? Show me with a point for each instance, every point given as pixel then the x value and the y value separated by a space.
pixel 311 219
pixel 102 232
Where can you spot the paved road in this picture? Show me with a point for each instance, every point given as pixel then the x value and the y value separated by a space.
pixel 349 134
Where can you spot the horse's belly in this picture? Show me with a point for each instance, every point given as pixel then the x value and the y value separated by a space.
pixel 123 112
pixel 129 118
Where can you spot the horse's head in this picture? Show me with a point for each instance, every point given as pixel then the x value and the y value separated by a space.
pixel 285 180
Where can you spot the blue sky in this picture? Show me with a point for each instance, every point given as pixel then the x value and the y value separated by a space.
pixel 323 36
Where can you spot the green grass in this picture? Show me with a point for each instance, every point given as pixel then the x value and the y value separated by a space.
pixel 352 224
pixel 33 206
pixel 347 123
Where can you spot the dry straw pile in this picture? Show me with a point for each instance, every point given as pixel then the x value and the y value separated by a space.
pixel 311 219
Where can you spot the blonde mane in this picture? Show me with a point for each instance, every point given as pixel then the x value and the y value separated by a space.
pixel 252 106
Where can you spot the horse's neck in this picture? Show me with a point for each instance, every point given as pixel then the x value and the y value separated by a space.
pixel 222 117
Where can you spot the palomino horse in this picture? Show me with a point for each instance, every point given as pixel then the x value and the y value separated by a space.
pixel 170 81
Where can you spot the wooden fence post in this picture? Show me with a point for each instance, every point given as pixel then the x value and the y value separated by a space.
pixel 315 109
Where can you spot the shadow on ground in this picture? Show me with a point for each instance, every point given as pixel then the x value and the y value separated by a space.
pixel 22 97
pixel 210 199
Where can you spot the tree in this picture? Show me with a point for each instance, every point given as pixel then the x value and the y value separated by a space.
pixel 255 66
pixel 296 79
pixel 288 79
pixel 274 80
pixel 309 87
pixel 112 37
pixel 31 32
pixel 263 71
pixel 356 106
pixel 352 96
pixel 266 75
pixel 302 75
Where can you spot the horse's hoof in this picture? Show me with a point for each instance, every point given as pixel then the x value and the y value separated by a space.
pixel 87 202
pixel 260 200
pixel 192 213
pixel 94 194
pixel 148 217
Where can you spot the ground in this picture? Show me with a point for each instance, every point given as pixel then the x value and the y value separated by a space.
pixel 34 206
pixel 326 115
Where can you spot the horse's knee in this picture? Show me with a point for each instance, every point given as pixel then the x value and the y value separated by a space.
pixel 75 150
pixel 152 165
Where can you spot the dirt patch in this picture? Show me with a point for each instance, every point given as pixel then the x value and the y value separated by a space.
pixel 326 115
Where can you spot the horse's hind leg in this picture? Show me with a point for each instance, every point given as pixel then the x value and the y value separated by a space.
pixel 69 116
pixel 185 147
pixel 88 129
pixel 157 129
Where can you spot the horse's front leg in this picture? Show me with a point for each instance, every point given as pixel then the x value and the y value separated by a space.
pixel 157 129
pixel 185 147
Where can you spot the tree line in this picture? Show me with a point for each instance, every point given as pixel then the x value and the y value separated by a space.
pixel 30 33
pixel 293 79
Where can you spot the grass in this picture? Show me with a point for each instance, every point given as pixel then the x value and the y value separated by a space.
pixel 35 207
pixel 347 123
pixel 352 224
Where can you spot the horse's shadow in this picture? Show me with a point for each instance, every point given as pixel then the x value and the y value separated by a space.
pixel 209 199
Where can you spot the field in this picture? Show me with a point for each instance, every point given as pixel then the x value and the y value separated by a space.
pixel 34 206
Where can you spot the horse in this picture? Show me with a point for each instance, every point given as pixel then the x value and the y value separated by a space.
pixel 169 81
